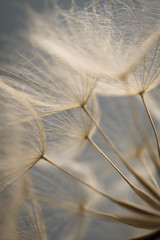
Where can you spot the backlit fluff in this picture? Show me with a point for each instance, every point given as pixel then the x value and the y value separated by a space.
pixel 118 43
pixel 63 200
pixel 22 136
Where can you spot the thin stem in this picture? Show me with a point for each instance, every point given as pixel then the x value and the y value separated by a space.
pixel 100 215
pixel 105 137
pixel 107 158
pixel 146 223
pixel 143 134
pixel 143 181
pixel 151 121
pixel 75 177
pixel 127 205
pixel 148 169
pixel 143 195
pixel 149 236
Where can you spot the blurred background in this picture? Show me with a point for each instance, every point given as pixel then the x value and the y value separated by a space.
pixel 12 15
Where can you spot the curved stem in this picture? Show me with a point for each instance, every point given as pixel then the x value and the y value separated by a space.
pixel 151 121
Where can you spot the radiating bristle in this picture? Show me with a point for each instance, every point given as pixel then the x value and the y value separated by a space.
pixel 79 124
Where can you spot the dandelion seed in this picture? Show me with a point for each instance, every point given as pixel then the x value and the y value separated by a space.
pixel 22 136
pixel 67 131
pixel 47 82
pixel 63 201
pixel 105 48
pixel 135 220
pixel 119 44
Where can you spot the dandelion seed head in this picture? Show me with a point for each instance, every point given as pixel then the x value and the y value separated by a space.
pixel 48 82
pixel 48 105
pixel 118 44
